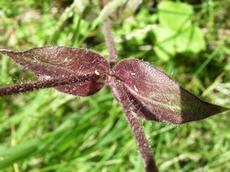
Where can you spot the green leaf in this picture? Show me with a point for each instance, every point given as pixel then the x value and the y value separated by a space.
pixel 175 15
pixel 190 40
pixel 165 43
pixel 170 42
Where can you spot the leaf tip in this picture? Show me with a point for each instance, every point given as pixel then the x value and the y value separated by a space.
pixel 7 52
pixel 223 109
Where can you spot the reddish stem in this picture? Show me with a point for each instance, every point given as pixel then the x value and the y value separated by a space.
pixel 110 42
pixel 53 82
pixel 142 142
pixel 137 130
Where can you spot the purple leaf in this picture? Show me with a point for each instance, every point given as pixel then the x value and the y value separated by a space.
pixel 155 96
pixel 54 62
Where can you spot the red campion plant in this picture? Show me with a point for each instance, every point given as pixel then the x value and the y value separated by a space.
pixel 141 89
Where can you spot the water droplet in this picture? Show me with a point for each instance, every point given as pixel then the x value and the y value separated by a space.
pixel 35 59
pixel 135 88
pixel 44 77
pixel 133 74
pixel 96 72
pixel 66 60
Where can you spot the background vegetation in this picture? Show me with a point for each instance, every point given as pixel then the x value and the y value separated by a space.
pixel 50 131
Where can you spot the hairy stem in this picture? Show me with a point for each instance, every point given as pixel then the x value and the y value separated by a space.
pixel 135 125
pixel 53 82
pixel 142 142
pixel 108 34
pixel 110 42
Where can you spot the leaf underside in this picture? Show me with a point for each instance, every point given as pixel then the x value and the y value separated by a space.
pixel 155 96
pixel 56 61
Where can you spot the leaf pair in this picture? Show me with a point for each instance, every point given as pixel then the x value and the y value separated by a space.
pixel 138 86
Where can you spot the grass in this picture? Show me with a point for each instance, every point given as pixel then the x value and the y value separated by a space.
pixel 50 131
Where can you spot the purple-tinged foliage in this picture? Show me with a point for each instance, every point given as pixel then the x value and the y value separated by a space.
pixel 138 86
pixel 55 62
pixel 141 89
pixel 155 96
